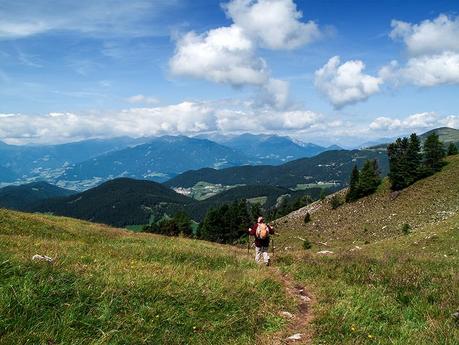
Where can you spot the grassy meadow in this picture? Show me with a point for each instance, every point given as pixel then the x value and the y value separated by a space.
pixel 397 291
pixel 109 286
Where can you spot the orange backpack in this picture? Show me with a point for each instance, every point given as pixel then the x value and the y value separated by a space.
pixel 262 231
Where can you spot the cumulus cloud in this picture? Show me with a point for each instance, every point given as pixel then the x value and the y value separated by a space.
pixel 345 83
pixel 187 118
pixel 223 55
pixel 433 46
pixel 428 37
pixel 228 54
pixel 432 70
pixel 276 24
pixel 419 121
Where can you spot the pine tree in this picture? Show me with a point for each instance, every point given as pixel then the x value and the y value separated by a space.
pixel 452 149
pixel 353 193
pixel 227 223
pixel 433 153
pixel 369 178
pixel 413 159
pixel 400 173
pixel 184 224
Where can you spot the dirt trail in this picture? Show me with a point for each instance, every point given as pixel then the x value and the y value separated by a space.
pixel 299 319
pixel 299 326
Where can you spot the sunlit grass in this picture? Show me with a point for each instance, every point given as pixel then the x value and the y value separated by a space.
pixel 114 287
pixel 398 291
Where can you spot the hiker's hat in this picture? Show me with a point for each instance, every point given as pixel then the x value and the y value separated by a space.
pixel 260 219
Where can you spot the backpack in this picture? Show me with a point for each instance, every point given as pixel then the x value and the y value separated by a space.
pixel 262 231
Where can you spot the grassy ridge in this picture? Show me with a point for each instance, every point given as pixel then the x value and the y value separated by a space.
pixel 378 216
pixel 109 286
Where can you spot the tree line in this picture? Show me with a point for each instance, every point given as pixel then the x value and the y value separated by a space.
pixel 409 161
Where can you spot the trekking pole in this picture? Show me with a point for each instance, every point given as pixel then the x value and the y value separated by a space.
pixel 248 245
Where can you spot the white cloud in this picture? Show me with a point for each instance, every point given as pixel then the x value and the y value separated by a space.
pixel 22 18
pixel 428 37
pixel 433 46
pixel 419 121
pixel 274 23
pixel 432 70
pixel 187 118
pixel 345 83
pixel 136 99
pixel 223 55
pixel 228 54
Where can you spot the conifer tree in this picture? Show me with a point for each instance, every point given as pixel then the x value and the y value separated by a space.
pixel 413 159
pixel 369 178
pixel 399 166
pixel 452 149
pixel 353 193
pixel 183 222
pixel 433 153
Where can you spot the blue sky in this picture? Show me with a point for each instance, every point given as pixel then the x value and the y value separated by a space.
pixel 322 71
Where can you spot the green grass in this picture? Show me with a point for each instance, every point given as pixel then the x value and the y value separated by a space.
pixel 381 285
pixel 397 291
pixel 111 286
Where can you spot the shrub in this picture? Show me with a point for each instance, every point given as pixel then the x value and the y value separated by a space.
pixel 406 229
pixel 335 202
pixel 307 244
pixel 307 218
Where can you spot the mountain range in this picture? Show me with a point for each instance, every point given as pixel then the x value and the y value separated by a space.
pixel 271 149
pixel 85 164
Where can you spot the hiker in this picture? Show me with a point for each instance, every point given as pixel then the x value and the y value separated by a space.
pixel 261 231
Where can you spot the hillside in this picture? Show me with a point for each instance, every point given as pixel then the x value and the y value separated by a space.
pixel 334 166
pixel 379 216
pixel 118 202
pixel 26 196
pixel 446 135
pixel 7 175
pixel 374 283
pixel 400 290
pixel 108 286
pixel 125 201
